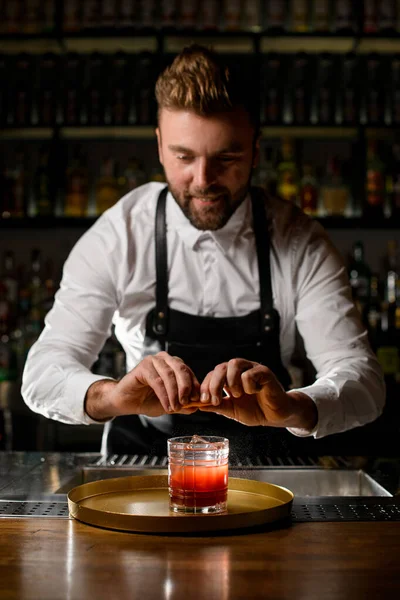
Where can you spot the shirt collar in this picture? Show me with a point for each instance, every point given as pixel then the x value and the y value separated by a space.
pixel 224 237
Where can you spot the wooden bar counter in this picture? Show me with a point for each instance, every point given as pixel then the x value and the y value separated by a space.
pixel 52 559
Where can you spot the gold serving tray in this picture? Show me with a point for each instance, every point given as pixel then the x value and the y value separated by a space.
pixel 141 504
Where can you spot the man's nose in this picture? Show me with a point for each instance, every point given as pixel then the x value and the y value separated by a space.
pixel 204 174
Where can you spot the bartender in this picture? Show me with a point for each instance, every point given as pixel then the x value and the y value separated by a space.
pixel 207 282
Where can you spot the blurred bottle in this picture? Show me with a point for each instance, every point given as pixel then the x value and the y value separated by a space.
pixel 168 13
pixel 348 96
pixel 107 188
pixel 77 186
pixel 321 16
pixel 372 313
pixel 95 91
pixel 23 89
pixel 13 188
pixel 9 282
pixel 324 101
pixel 91 15
pixel 252 15
pixel 386 16
pixel 144 88
pixel 335 193
pixel 343 17
pixel 125 13
pixel 267 175
pixel 72 18
pixel 108 13
pixel 47 96
pixel 370 16
pixel 42 186
pixel 72 89
pixel 31 16
pixel 13 12
pixel 394 94
pixel 5 75
pixel 120 96
pixel 188 14
pixel 133 176
pixel 359 276
pixel 276 15
pixel 272 89
pixel 232 10
pixel 209 15
pixel 395 182
pixel 309 190
pixel 148 18
pixel 300 16
pixel 297 99
pixel 288 177
pixel 375 182
pixel 374 93
pixel 47 16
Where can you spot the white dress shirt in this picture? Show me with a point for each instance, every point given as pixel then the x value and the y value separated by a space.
pixel 109 277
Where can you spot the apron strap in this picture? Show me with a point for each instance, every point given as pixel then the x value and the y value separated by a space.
pixel 160 324
pixel 260 225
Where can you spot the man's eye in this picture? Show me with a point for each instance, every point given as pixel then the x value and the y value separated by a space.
pixel 184 158
pixel 226 159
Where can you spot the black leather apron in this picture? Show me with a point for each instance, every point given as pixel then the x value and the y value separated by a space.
pixel 204 342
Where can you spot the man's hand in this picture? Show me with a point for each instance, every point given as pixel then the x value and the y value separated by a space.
pixel 159 384
pixel 255 397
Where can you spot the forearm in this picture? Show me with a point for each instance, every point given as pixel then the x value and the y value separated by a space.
pixel 305 412
pixel 98 403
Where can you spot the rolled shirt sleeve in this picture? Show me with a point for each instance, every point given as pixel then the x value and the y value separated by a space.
pixel 349 390
pixel 57 371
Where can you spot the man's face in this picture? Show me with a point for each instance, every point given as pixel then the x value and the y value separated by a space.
pixel 207 162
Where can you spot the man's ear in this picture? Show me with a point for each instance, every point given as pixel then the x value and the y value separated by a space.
pixel 160 155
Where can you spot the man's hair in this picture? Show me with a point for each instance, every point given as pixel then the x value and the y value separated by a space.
pixel 199 80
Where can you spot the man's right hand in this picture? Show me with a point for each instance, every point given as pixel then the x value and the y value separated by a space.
pixel 159 384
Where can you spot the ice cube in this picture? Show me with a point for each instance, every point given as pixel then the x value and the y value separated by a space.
pixel 197 439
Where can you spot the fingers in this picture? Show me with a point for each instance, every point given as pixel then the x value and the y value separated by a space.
pixel 178 379
pixel 226 377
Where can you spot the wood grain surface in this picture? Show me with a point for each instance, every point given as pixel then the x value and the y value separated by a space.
pixel 51 559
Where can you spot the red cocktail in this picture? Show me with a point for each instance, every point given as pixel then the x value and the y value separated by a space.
pixel 198 474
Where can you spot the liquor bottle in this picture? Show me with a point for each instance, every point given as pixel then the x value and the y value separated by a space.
pixel 47 97
pixel 31 14
pixel 17 182
pixel 252 15
pixel 209 15
pixel 148 14
pixel 348 99
pixel 108 13
pixel 5 72
pixel 168 13
pixel 232 15
pixel 36 286
pixel 386 16
pixel 324 103
pixel 77 187
pixel 72 91
pixel 374 96
pixel 288 178
pixel 126 16
pixel 91 16
pixel 8 362
pixel 95 112
pixel 297 92
pixel 9 281
pixel 107 188
pixel 12 16
pixel 72 18
pixel 133 176
pixel 300 21
pixel 309 191
pixel 144 85
pixel 370 16
pixel 335 193
pixel 359 276
pixel 372 313
pixel 375 182
pixel 275 15
pixel 119 95
pixel 321 18
pixel 47 16
pixel 22 97
pixel 42 187
pixel 6 192
pixel 267 174
pixel 188 14
pixel 272 90
pixel 394 103
pixel 395 182
pixel 343 20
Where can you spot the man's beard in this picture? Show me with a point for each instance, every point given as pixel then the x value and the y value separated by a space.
pixel 211 217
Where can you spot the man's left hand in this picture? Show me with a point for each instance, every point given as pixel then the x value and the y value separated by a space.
pixel 255 397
